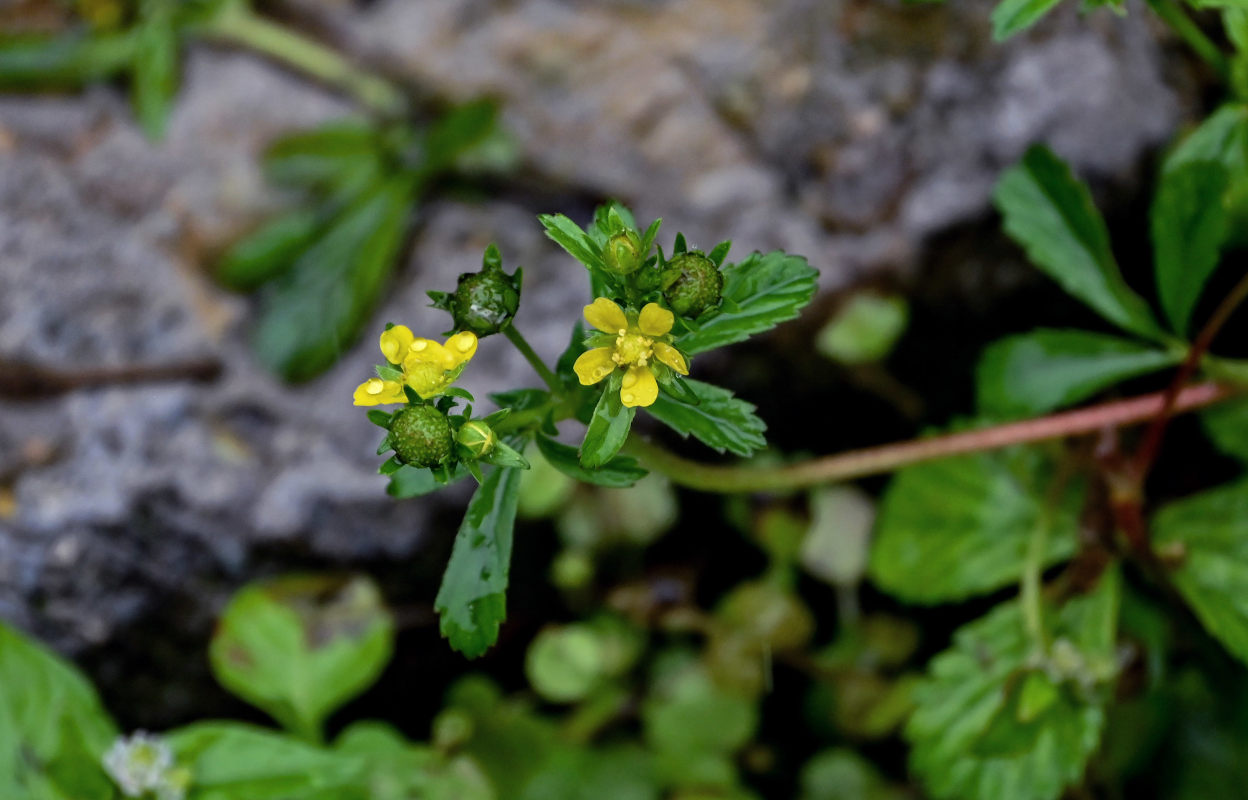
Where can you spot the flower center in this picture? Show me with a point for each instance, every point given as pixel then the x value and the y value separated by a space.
pixel 632 348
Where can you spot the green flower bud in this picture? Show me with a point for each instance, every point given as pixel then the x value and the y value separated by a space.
pixel 483 302
pixel 421 436
pixel 622 254
pixel 692 284
pixel 477 437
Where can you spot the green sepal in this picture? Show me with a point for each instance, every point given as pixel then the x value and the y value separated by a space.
pixel 457 391
pixel 505 456
pixel 496 417
pixel 720 252
pixel 385 445
pixel 647 238
pixel 390 466
pixel 474 469
pixel 388 373
pixel 379 418
pixel 679 246
pixel 412 397
pixel 675 386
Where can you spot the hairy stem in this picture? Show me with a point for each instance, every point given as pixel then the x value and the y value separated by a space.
pixel 890 457
pixel 530 355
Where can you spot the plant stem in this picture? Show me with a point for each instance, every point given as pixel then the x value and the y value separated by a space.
pixel 890 457
pixel 530 355
pixel 1178 20
pixel 238 24
pixel 1029 593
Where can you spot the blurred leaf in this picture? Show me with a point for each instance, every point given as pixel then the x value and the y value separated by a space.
pixel 957 527
pixel 268 251
pixel 1210 531
pixel 838 543
pixel 53 729
pixel 1227 425
pixel 719 420
pixel 839 774
pixel 865 329
pixel 299 647
pixel 412 481
pixel 340 158
pixel 469 138
pixel 989 725
pixel 63 61
pixel 762 291
pixel 398 770
pixel 565 663
pixel 619 472
pixel 608 427
pixel 621 772
pixel 472 601
pixel 1014 16
pixel 1051 214
pixel 1189 225
pixel 155 69
pixel 544 490
pixel 1037 372
pixel 316 309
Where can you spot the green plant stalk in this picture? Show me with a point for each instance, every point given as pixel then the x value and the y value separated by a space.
pixel 530 355
pixel 237 24
pixel 890 457
pixel 1178 20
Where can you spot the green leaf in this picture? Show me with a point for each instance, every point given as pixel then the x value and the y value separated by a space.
pixel 64 61
pixel 865 329
pixel 842 774
pixel 473 599
pixel 1036 372
pixel 1050 213
pixel 958 527
pixel 417 481
pixel 315 310
pixel 608 428
pixel 763 291
pixel 1014 16
pixel 719 420
pixel 266 252
pixel 299 647
pixel 1210 532
pixel 1227 426
pixel 468 138
pixel 53 729
pixel 155 69
pixel 568 235
pixel 991 724
pixel 1189 225
pixel 341 157
pixel 617 473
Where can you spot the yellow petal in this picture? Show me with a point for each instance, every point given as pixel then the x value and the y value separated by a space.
pixel 462 347
pixel 426 377
pixel 655 320
pixel 427 351
pixel 376 392
pixel 593 365
pixel 671 356
pixel 606 316
pixel 394 343
pixel 639 387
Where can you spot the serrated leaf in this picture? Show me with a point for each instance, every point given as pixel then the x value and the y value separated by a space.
pixel 1189 225
pixel 1227 426
pixel 340 158
pixel 155 69
pixel 472 601
pixel 959 527
pixel 298 647
pixel 39 62
pixel 1051 214
pixel 607 429
pixel 1036 372
pixel 53 729
pixel 1015 16
pixel 617 473
pixel 719 420
pixel 568 235
pixel 1211 531
pixel 468 138
pixel 978 732
pixel 766 290
pixel 268 251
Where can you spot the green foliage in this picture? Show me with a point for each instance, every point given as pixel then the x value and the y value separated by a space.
pixel 1014 16
pixel 472 601
pixel 299 647
pixel 1189 223
pixel 865 329
pixel 155 65
pixel 958 527
pixel 1036 372
pixel 1227 426
pixel 607 429
pixel 717 419
pixel 619 472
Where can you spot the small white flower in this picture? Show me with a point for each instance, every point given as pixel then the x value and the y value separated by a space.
pixel 143 763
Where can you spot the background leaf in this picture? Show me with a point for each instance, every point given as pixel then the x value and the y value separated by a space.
pixel 472 601
pixel 268 251
pixel 766 290
pixel 1227 425
pixel 1189 225
pixel 719 420
pixel 954 528
pixel 1014 16
pixel 155 70
pixel 1037 372
pixel 301 646
pixel 63 61
pixel 1051 214
pixel 618 473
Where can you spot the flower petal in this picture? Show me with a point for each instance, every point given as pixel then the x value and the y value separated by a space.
pixel 462 347
pixel 639 387
pixel 671 356
pixel 593 365
pixel 655 320
pixel 427 351
pixel 376 392
pixel 426 378
pixel 394 343
pixel 606 316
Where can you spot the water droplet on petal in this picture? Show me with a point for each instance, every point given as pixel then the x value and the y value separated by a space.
pixel 627 397
pixel 419 345
pixel 374 386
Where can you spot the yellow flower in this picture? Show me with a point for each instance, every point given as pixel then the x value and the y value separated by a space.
pixel 640 340
pixel 428 367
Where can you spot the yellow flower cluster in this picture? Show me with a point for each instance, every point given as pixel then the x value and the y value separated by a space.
pixel 641 340
pixel 429 368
